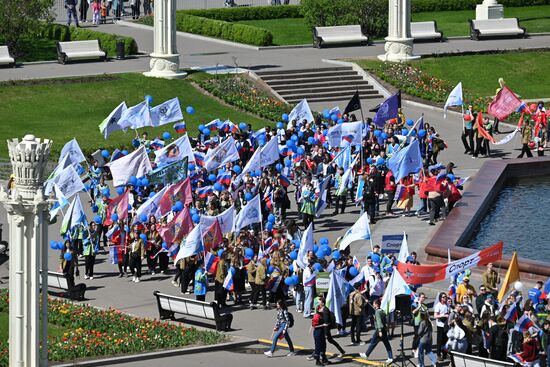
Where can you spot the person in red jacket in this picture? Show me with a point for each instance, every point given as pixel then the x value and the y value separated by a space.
pixel 454 195
pixel 390 187
pixel 530 352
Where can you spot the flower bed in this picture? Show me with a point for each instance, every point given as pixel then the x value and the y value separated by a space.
pixel 414 82
pixel 242 93
pixel 94 332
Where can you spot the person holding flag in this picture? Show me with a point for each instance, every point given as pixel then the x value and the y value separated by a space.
pixel 526 136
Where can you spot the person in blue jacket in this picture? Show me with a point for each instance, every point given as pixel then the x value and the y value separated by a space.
pixel 201 283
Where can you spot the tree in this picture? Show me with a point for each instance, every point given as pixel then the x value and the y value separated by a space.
pixel 23 18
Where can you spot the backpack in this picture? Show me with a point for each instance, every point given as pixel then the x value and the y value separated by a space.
pixel 290 319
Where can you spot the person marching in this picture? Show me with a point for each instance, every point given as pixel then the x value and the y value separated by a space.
pixel 380 334
pixel 282 324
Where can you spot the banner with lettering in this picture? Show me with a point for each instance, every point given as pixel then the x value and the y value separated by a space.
pixel 424 274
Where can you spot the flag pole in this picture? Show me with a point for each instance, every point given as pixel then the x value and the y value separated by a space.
pixel 463 127
pixel 362 125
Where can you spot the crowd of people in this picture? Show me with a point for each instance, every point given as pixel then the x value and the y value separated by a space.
pixel 102 9
pixel 261 261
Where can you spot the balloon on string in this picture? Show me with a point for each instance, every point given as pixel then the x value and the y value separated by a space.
pixel 293 255
pixel 340 121
pixel 289 281
pixel 243 126
pixel 201 127
pixel 296 243
pixel 193 211
pixel 248 252
pixel 196 218
pixel 120 190
pixel 311 140
pixel 279 167
pixel 190 110
pixel 384 135
pixel 68 256
pixel 206 131
pixel 145 181
pixel 269 226
pixel 218 186
pixel 97 219
pixel 288 163
pixel 248 196
pixel 336 255
pixel 165 245
pixel 326 114
pixel 149 99
pixel 377 133
pixel 53 245
pixel 284 116
pixel 143 218
pixel 326 250
pixel 237 169
pixel 295 279
pixel 258 173
pixel 220 252
pixel 410 122
pixel 451 177
pixel 404 131
pixel 413 132
pixel 300 151
pixel 124 152
pixel 294 138
pixel 279 125
pixel 317 267
pixel 60 245
pixel 270 269
pixel 143 237
pixel 191 167
pixel 353 271
pixel 369 160
pixel 179 205
pixel 315 248
pixel 380 161
pixel 133 180
pixel 290 143
pixel 211 177
pixel 105 192
pixel 323 241
pixel 261 142
pixel 291 268
pixel 166 135
pixel 105 153
pixel 114 217
pixel 271 218
pixel 334 117
pixel 135 142
pixel 421 133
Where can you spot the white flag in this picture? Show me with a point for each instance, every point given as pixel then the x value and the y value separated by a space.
pixel 166 112
pixel 73 151
pixel 175 151
pixel 60 203
pixel 192 245
pixel 404 250
pixel 269 153
pixel 395 287
pixel 507 138
pixel 252 165
pixel 249 214
pixel 75 215
pixel 225 220
pixel 321 202
pixel 306 245
pixel 134 164
pixel 344 183
pixel 336 296
pixel 360 231
pixel 68 182
pixel 111 123
pixel 136 116
pixel 342 135
pixel 301 112
pixel 221 155
pixel 454 99
pixel 150 206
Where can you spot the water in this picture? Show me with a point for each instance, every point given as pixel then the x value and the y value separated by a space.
pixel 519 217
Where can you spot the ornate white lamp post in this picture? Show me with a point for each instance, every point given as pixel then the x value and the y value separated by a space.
pixel 165 60
pixel 28 238
pixel 399 43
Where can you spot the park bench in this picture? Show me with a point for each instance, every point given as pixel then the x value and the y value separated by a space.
pixel 79 50
pixel 422 31
pixel 338 34
pixel 59 282
pixel 5 57
pixel 169 305
pixel 508 27
pixel 467 360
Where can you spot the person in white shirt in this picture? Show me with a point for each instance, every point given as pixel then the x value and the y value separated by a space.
pixel 368 271
pixel 309 283
pixel 441 314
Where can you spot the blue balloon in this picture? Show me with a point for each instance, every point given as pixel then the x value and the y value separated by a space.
pixel 451 176
pixel 166 135
pixel 315 248
pixel 248 252
pixel 143 218
pixel 279 167
pixel 279 125
pixel 334 117
pixel 190 110
pixel 218 186
pixel 380 161
pixel 410 122
pixel 133 181
pixel 95 209
pixel 135 142
pixel 413 132
pixel 97 219
pixel 311 140
pixel 237 169
pixel 271 218
pixel 129 207
pixel 105 192
pixel 326 114
pixel 114 217
pixel 151 194
pixel 384 135
pixel 53 245
pixel 336 255
pixel 201 127
pixel 323 241
pixel 320 254
pixel 270 269
pixel 261 142
pixel 68 256
pixel 145 181
pixel 60 245
pixel 317 267
pixel 285 117
pixel 289 281
pixel 143 237
pixel 258 173
pixel 179 205
pixel 105 153
pixel 165 245
pixel 291 268
pixel 421 133
pixel 269 226
pixel 212 177
pixel 196 218
pixel 124 152
pixel 340 121
pixel 300 134
pixel 370 160
pixel 404 131
pixel 248 196
pixel 191 167
pixel 353 271
pixel 220 252
pixel 120 190
pixel 243 126
pixel 293 255
pixel 326 250
pixel 300 151
pixel 296 279
pixel 294 138
pixel 377 133
pixel 149 99
pixel 288 163
pixel 206 131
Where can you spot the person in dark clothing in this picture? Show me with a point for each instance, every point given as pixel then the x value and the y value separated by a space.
pixel 83 8
pixel 369 198
pixel 69 264
pixel 498 340
pixel 330 322
pixel 468 132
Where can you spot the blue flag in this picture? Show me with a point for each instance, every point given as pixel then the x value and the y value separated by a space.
pixel 407 160
pixel 388 109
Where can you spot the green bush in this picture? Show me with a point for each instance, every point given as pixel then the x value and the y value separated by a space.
pixel 418 6
pixel 220 29
pixel 247 13
pixel 372 15
pixel 108 41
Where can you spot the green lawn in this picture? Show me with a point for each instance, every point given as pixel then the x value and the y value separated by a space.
pixel 53 330
pixel 286 31
pixel 524 72
pixel 35 50
pixel 455 23
pixel 60 111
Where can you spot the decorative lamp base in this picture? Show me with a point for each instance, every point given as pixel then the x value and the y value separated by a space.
pixel 165 66
pixel 398 50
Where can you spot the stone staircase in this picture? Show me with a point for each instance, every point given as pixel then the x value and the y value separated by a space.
pixel 318 85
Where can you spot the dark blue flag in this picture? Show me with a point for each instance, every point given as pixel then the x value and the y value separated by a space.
pixel 388 109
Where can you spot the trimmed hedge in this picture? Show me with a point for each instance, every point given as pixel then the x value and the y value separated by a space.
pixel 247 13
pixel 418 6
pixel 59 32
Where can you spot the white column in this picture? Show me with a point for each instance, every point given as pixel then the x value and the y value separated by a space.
pixel 489 9
pixel 399 43
pixel 165 60
pixel 27 208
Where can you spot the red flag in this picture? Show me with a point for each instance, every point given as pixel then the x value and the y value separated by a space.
pixel 481 130
pixel 504 103
pixel 177 228
pixel 119 205
pixel 178 191
pixel 213 236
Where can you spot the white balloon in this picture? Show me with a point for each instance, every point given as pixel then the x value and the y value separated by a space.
pixel 518 286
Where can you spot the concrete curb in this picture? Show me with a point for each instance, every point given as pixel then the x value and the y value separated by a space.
pixel 159 354
pixel 363 73
pixel 284 47
pixel 191 35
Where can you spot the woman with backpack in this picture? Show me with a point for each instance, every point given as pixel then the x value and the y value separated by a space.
pixel 284 321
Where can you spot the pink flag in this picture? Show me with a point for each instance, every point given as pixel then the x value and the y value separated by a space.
pixel 177 228
pixel 212 237
pixel 178 191
pixel 119 205
pixel 504 103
